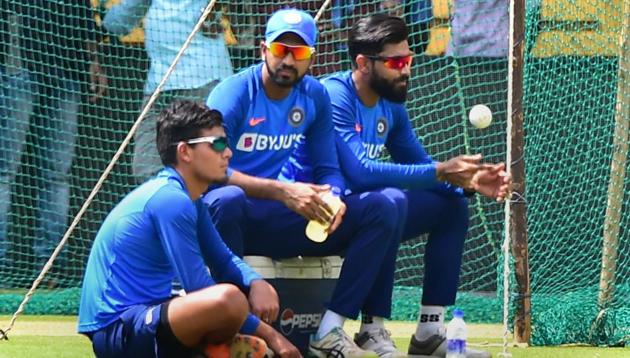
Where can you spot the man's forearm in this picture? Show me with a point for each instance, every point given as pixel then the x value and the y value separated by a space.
pixel 255 187
pixel 264 331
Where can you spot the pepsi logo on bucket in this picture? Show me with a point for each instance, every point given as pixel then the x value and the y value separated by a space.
pixel 290 321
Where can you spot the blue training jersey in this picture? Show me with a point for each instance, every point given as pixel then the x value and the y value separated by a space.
pixel 362 134
pixel 154 235
pixel 263 132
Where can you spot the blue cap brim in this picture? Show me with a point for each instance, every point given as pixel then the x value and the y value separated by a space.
pixel 303 36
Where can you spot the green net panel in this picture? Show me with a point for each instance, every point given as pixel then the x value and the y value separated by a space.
pixel 571 90
pixel 56 139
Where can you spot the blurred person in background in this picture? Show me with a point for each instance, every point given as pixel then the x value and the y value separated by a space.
pixel 48 64
pixel 205 62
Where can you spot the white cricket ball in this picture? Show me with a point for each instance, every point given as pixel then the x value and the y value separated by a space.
pixel 480 116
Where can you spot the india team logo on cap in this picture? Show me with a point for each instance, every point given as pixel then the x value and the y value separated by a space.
pixel 296 21
pixel 292 18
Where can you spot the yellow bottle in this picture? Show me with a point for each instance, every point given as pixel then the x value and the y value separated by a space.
pixel 315 230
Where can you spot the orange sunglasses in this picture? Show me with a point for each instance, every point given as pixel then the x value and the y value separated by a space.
pixel 299 52
pixel 394 62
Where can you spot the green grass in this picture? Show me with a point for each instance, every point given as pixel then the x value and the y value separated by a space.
pixel 44 336
pixel 46 346
pixel 54 336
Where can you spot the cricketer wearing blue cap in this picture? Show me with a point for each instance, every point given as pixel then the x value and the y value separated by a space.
pixel 369 116
pixel 268 108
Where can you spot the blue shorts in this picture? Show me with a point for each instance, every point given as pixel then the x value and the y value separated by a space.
pixel 140 332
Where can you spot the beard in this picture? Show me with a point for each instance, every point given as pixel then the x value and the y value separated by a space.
pixel 390 89
pixel 284 80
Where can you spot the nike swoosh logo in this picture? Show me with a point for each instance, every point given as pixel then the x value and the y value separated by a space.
pixel 256 121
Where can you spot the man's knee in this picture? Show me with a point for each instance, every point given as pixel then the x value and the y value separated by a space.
pixel 454 214
pixel 459 207
pixel 234 302
pixel 229 200
pixel 380 211
pixel 213 314
pixel 228 300
pixel 398 197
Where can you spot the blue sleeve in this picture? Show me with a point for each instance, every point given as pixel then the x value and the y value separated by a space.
pixel 367 174
pixel 406 149
pixel 230 98
pixel 250 325
pixel 175 220
pixel 125 16
pixel 402 143
pixel 320 143
pixel 225 266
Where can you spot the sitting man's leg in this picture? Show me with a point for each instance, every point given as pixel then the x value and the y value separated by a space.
pixel 444 216
pixel 227 209
pixel 365 238
pixel 181 327
pixel 372 334
pixel 212 315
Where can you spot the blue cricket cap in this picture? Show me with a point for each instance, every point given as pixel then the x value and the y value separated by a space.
pixel 292 20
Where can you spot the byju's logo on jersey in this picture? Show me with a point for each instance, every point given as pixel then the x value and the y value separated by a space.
pixel 248 142
pixel 290 320
pixel 381 127
pixel 296 116
pixel 373 150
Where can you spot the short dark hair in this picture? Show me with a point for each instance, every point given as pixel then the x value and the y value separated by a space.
pixel 369 35
pixel 181 121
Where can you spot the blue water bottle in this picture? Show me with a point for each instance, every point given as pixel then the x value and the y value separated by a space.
pixel 456 335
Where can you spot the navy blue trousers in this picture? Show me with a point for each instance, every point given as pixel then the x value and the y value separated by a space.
pixel 444 216
pixel 368 238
